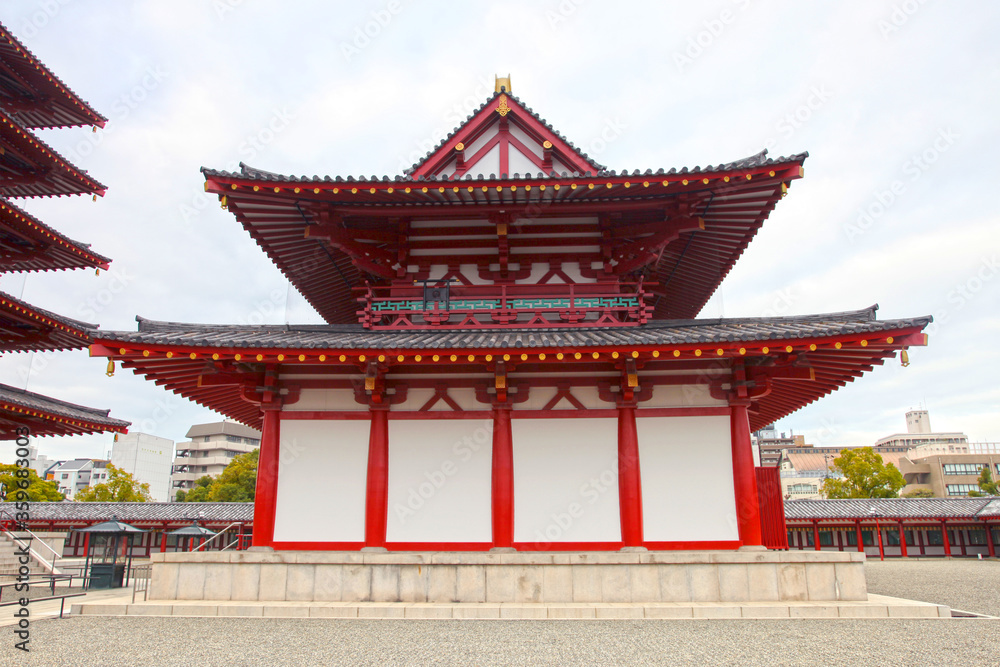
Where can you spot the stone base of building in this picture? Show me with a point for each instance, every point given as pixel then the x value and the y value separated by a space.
pixel 524 577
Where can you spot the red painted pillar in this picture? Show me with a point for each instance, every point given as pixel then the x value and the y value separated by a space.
pixel 163 540
pixel 902 541
pixel 944 536
pixel 503 478
pixel 816 535
pixel 989 540
pixel 377 494
pixel 629 479
pixel 961 541
pixel 744 478
pixel 266 494
pixel 861 543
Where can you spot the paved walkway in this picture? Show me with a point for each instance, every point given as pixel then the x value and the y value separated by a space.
pixel 50 608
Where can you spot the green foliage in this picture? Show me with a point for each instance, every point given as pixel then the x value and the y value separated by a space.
pixel 121 487
pixel 987 484
pixel 919 493
pixel 236 484
pixel 865 476
pixel 39 490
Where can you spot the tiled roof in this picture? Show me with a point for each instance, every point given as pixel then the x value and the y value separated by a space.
pixel 657 332
pixel 138 513
pixel 64 415
pixel 888 508
pixel 53 104
pixel 24 327
pixel 751 162
pixel 28 244
pixel 52 175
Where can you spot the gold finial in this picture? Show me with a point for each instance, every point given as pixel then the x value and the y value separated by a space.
pixel 503 109
pixel 502 84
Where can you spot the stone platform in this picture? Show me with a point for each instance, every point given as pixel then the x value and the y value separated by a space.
pixel 532 578
pixel 877 606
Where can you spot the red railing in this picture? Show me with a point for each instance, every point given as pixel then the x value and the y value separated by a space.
pixel 479 306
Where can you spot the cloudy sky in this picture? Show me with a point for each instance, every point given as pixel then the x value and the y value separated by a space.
pixel 893 101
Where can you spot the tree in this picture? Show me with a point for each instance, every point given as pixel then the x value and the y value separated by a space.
pixel 199 492
pixel 121 487
pixel 39 490
pixel 865 476
pixel 236 484
pixel 987 484
pixel 919 493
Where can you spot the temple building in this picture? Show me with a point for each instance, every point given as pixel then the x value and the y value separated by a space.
pixel 31 97
pixel 511 357
pixel 511 363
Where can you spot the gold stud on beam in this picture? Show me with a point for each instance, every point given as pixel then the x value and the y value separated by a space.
pixel 436 358
pixel 889 340
pixel 720 352
pixel 838 345
pixel 864 343
pixel 765 349
pixel 697 353
pixel 342 357
pixel 361 357
pixel 656 354
pixel 454 357
pixel 812 347
pixel 471 357
pixel 615 355
pixel 577 355
pixel 541 356
pixel 399 357
pixel 595 355
pixel 381 357
pixel 489 357
pixel 788 348
pixel 417 358
pixel 302 357
pixel 559 356
pixel 215 356
pixel 260 357
pixel 506 357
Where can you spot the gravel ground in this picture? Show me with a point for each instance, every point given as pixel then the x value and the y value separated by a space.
pixel 217 641
pixel 969 585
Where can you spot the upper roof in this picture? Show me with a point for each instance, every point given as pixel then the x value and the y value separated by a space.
pixel 888 508
pixel 28 244
pixel 222 428
pixel 502 109
pixel 830 350
pixel 47 416
pixel 34 95
pixel 731 199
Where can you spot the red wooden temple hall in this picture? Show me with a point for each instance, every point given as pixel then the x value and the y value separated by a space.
pixel 32 97
pixel 510 357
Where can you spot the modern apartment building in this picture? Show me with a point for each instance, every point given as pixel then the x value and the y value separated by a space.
pixel 209 450
pixel 78 474
pixel 950 474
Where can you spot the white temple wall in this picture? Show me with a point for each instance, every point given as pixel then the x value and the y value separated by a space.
pixel 681 396
pixel 688 491
pixel 324 400
pixel 322 473
pixel 565 480
pixel 440 485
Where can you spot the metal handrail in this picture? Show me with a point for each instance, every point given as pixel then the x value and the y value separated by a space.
pixel 216 536
pixel 51 567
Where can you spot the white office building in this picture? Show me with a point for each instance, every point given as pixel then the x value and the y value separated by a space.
pixel 148 458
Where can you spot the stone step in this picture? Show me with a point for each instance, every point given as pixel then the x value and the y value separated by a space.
pixel 875 607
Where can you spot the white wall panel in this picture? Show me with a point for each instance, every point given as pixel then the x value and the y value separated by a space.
pixel 566 480
pixel 687 479
pixel 322 475
pixel 440 479
pixel 681 396
pixel 325 399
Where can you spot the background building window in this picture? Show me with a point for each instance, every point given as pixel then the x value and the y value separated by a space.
pixel 963 468
pixel 961 489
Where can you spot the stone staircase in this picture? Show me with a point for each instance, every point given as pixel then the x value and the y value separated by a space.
pixel 9 548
